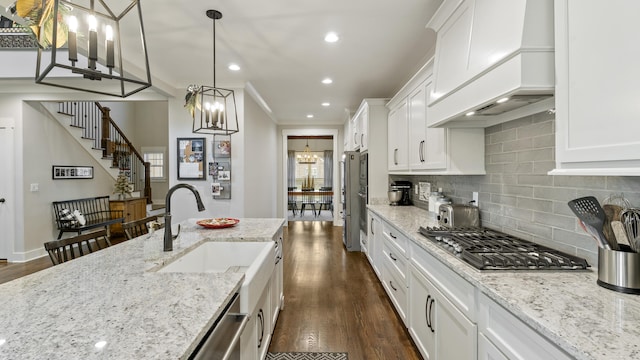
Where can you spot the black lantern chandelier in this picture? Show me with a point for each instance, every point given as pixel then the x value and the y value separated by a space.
pixel 213 109
pixel 92 59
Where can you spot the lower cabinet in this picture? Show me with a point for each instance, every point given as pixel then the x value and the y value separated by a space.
pixel 438 328
pixel 488 351
pixel 256 337
pixel 505 334
pixel 374 238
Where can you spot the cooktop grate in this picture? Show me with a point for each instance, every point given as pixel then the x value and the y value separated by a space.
pixel 487 249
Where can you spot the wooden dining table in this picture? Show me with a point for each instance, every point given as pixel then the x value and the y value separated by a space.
pixel 314 193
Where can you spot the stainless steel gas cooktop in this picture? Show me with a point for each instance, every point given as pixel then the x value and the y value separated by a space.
pixel 487 249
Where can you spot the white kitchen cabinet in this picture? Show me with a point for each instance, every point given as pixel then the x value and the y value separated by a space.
pixel 513 338
pixel 426 145
pixel 277 281
pixel 256 336
pixel 488 351
pixel 438 328
pixel 417 149
pixel 355 132
pixel 363 123
pixel 597 115
pixel 374 239
pixel 398 157
pixel 395 266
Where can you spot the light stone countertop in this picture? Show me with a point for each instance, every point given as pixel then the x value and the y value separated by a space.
pixel 567 307
pixel 115 295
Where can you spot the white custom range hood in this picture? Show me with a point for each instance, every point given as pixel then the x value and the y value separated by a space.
pixel 494 62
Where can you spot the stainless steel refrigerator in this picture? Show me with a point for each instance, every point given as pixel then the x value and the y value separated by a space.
pixel 350 175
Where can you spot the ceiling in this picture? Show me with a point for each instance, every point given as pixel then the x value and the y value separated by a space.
pixel 280 47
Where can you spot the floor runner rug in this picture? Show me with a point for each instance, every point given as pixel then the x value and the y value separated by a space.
pixel 307 356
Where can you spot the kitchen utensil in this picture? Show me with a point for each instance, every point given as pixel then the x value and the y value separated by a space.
pixel 618 270
pixel 617 199
pixel 620 233
pixel 588 210
pixel 630 218
pixel 612 213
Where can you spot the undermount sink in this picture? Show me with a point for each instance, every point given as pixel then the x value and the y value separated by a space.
pixel 255 259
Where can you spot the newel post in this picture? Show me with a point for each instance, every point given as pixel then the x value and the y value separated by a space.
pixel 106 148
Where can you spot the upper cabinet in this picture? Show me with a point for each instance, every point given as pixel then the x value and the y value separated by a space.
pixel 597 72
pixel 488 50
pixel 415 148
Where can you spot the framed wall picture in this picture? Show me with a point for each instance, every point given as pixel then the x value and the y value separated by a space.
pixel 191 159
pixel 59 172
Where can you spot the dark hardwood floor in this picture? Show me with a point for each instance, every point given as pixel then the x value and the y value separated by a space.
pixel 334 301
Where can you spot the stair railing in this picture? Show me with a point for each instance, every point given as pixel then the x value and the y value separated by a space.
pixel 97 125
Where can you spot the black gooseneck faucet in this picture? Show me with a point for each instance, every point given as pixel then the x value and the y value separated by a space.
pixel 168 236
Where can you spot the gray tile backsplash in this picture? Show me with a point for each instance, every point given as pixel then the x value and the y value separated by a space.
pixel 518 197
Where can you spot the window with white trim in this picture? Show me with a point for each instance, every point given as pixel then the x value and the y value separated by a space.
pixel 156 158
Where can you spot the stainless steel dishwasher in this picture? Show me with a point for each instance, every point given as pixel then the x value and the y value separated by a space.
pixel 222 341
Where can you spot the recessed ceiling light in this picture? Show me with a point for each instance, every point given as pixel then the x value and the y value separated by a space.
pixel 502 100
pixel 100 344
pixel 327 81
pixel 234 67
pixel 326 104
pixel 309 116
pixel 470 113
pixel 331 37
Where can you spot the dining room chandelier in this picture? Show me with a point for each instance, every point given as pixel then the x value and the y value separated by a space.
pixel 213 109
pixel 307 157
pixel 95 46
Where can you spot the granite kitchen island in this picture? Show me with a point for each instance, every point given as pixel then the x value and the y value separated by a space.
pixel 114 304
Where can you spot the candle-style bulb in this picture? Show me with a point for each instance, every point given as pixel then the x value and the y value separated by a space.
pixel 93 42
pixel 72 41
pixel 93 23
pixel 109 45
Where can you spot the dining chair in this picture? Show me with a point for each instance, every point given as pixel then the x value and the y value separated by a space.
pixel 326 200
pixel 133 229
pixel 308 200
pixel 70 248
pixel 292 205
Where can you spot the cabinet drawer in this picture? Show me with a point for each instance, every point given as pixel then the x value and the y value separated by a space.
pixel 396 262
pixel 515 339
pixel 393 235
pixel 396 290
pixel 460 292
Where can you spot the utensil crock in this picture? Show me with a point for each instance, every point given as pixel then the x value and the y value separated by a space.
pixel 619 270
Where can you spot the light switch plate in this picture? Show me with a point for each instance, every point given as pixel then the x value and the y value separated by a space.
pixel 415 189
pixel 35 187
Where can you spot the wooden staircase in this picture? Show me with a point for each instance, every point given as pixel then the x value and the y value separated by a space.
pixel 116 152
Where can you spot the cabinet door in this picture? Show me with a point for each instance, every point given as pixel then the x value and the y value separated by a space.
pixel 597 91
pixel 441 331
pixel 417 127
pixel 263 324
pixel 427 146
pixel 456 336
pixel 488 351
pixel 374 227
pixel 435 147
pixel 364 130
pixel 420 298
pixel 398 158
pixel 277 283
pixel 355 132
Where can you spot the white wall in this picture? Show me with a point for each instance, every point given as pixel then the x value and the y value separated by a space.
pixel 183 204
pixel 260 184
pixel 150 129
